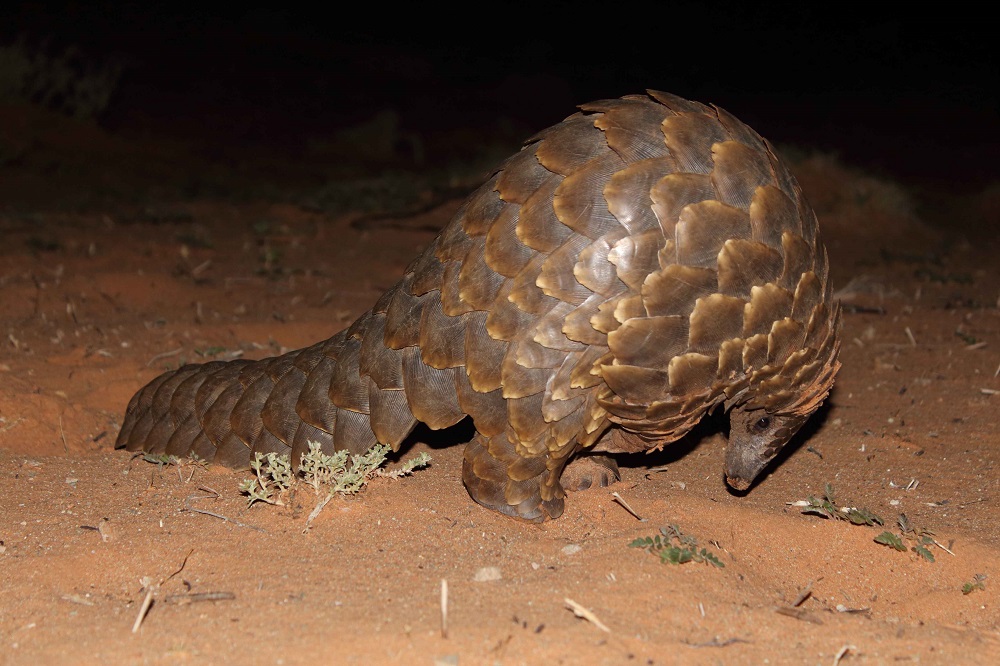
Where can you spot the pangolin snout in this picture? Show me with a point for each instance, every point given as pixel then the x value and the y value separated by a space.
pixel 737 483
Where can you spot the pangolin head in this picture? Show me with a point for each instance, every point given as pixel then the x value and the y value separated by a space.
pixel 755 437
pixel 773 410
pixel 764 417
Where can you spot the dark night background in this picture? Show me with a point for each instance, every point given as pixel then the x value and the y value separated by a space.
pixel 913 96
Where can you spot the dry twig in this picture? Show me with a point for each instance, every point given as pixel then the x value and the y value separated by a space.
pixel 797 614
pixel 151 589
pixel 621 500
pixel 444 608
pixel 586 614
pixel 215 495
pixel 166 354
pixel 843 652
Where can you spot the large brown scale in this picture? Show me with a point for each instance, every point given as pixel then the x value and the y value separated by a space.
pixel 630 269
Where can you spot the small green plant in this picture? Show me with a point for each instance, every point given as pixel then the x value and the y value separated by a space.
pixel 978 582
pixel 339 473
pixel 162 460
pixel 345 474
pixel 274 476
pixel 920 539
pixel 826 507
pixel 684 550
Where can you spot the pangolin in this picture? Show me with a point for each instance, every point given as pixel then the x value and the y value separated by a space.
pixel 630 269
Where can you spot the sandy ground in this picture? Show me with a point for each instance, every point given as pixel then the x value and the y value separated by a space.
pixel 94 304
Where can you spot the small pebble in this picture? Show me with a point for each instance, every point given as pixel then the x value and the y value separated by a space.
pixel 486 574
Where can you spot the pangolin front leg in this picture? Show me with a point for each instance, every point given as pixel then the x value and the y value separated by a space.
pixel 628 270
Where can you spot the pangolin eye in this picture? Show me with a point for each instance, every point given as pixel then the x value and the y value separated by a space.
pixel 762 424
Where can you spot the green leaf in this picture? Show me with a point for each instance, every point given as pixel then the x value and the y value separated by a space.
pixel 675 555
pixel 863 517
pixel 904 523
pixel 889 539
pixel 978 582
pixel 712 559
pixel 685 551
